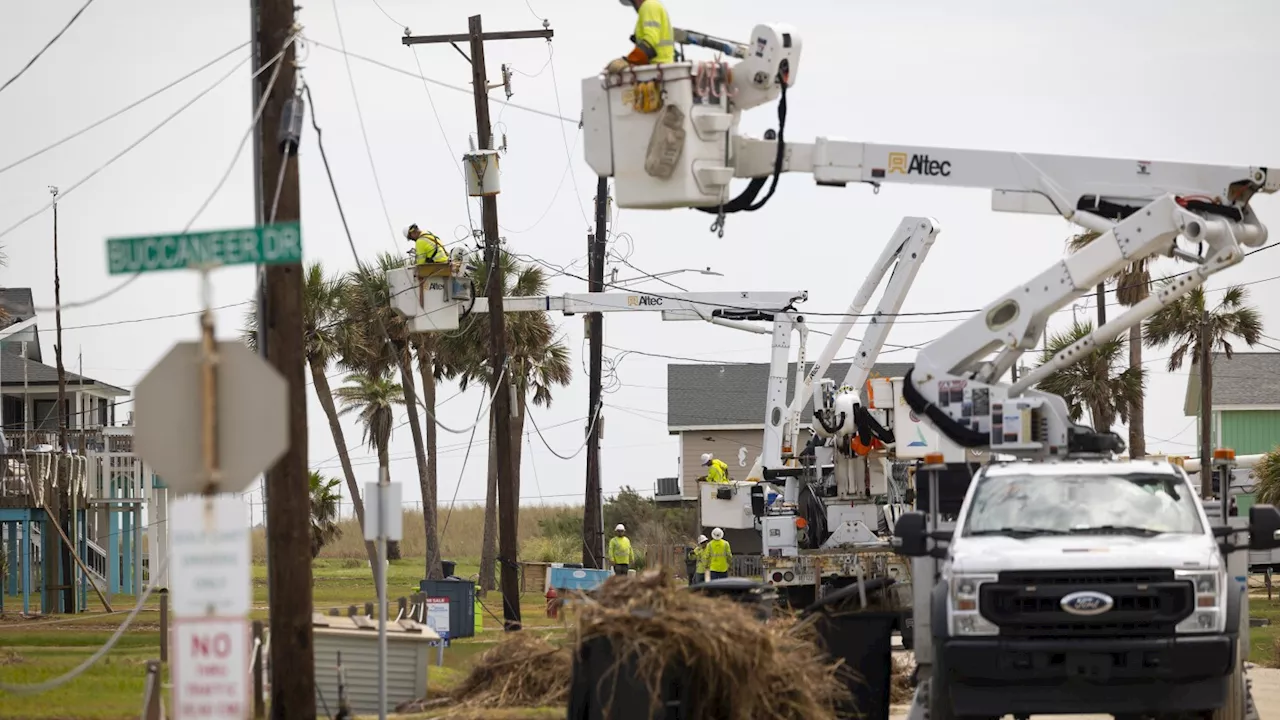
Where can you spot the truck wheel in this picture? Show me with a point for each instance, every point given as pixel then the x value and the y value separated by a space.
pixel 1234 709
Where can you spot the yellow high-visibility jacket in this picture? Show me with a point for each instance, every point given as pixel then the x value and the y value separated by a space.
pixel 654 39
pixel 429 250
pixel 719 555
pixel 620 550
pixel 700 553
pixel 718 472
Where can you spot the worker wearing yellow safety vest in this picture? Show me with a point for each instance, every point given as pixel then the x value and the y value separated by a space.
pixel 696 561
pixel 620 551
pixel 654 41
pixel 427 248
pixel 717 471
pixel 718 555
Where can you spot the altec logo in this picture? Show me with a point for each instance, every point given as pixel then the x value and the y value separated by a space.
pixel 905 164
pixel 643 301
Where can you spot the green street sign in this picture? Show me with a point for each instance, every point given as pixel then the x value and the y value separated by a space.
pixel 278 244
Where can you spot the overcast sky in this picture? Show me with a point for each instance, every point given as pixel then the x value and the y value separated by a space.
pixel 1158 80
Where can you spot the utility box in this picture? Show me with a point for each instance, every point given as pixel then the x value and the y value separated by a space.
pixel 482 173
pixel 409 650
pixel 461 611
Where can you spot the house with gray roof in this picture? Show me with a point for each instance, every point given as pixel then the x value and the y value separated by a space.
pixel 719 408
pixel 29 412
pixel 1246 401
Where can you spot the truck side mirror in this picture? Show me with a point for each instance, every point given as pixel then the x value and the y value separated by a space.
pixel 911 537
pixel 1264 527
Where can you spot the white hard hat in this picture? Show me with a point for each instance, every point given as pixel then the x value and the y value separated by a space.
pixel 717 534
pixel 619 528
pixel 408 228
pixel 702 539
pixel 706 458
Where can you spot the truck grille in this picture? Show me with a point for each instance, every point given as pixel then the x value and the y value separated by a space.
pixel 1147 603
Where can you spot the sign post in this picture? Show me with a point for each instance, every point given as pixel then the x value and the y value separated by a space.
pixel 182 433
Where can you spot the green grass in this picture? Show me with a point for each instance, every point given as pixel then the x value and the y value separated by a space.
pixel 33 651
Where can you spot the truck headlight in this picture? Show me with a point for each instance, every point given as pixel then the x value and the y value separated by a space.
pixel 1209 613
pixel 965 616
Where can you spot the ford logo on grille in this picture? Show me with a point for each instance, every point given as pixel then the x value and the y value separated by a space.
pixel 1087 602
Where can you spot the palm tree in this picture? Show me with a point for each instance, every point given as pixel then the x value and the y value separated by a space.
pixel 324 512
pixel 373 397
pixel 1267 472
pixel 369 304
pixel 1182 322
pixel 1133 285
pixel 327 336
pixel 536 361
pixel 1095 381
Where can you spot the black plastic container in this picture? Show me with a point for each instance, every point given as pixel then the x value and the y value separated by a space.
pixel 462 604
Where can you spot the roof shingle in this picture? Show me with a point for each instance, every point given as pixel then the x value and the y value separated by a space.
pixel 1246 378
pixel 715 395
pixel 16 370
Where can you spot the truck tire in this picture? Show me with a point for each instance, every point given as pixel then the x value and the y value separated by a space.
pixel 1235 707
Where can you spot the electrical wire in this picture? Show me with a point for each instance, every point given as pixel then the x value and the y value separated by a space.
pixel 75 672
pixel 462 472
pixel 47 45
pixel 256 118
pixel 438 83
pixel 64 193
pixel 119 112
pixel 555 85
pixel 377 184
pixel 590 428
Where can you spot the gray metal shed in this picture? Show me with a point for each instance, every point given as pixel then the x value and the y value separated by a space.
pixel 409 647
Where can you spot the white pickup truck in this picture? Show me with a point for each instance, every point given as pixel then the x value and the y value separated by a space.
pixel 1084 586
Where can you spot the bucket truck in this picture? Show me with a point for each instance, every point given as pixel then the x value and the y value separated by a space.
pixel 1134 603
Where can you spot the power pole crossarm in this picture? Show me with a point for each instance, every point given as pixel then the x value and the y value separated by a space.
pixel 466 37
pixel 728 305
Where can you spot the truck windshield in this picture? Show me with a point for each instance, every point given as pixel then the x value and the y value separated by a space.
pixel 1029 505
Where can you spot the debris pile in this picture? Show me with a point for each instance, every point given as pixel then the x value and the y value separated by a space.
pixel 523 671
pixel 741 666
pixel 901 691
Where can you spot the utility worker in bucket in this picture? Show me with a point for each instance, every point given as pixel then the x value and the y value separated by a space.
pixel 620 551
pixel 427 248
pixel 717 471
pixel 719 555
pixel 653 39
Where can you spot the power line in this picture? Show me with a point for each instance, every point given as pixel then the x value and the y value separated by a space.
pixel 47 45
pixel 119 112
pixel 438 83
pixel 360 116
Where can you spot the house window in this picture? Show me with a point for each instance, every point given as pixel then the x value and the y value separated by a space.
pixel 12 412
pixel 102 412
pixel 45 414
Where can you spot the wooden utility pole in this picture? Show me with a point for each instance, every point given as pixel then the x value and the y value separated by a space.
pixel 293 688
pixel 593 513
pixel 1206 406
pixel 60 568
pixel 508 493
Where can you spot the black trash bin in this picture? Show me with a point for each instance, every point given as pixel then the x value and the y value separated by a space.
pixel 449 567
pixel 603 688
pixel 760 597
pixel 863 640
pixel 462 603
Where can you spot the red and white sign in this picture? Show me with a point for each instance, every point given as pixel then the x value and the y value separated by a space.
pixel 211 669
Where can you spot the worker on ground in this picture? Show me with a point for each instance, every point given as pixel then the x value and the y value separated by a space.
pixel 695 561
pixel 653 39
pixel 620 551
pixel 719 555
pixel 427 248
pixel 717 471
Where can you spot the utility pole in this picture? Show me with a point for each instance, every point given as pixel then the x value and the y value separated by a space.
pixel 508 493
pixel 593 512
pixel 293 689
pixel 61 570
pixel 1206 406
pixel 255 88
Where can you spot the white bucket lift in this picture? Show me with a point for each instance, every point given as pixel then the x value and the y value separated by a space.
pixel 431 296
